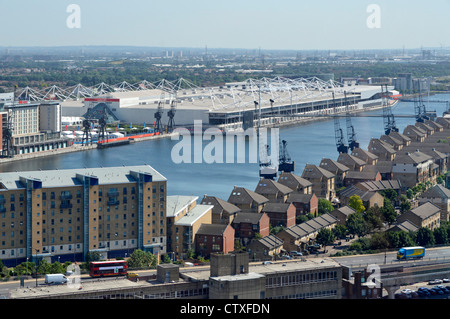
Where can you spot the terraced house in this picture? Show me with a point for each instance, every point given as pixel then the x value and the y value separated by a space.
pixel 65 214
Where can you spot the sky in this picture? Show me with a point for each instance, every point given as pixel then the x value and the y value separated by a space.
pixel 248 24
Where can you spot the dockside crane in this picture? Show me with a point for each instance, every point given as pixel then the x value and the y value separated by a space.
pixel 351 134
pixel 7 133
pixel 171 115
pixel 285 162
pixel 102 136
pixel 87 135
pixel 158 115
pixel 419 105
pixel 338 133
pixel 388 117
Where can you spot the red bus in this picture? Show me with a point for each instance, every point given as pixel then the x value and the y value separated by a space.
pixel 108 268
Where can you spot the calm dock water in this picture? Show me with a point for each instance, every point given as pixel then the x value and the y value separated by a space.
pixel 307 143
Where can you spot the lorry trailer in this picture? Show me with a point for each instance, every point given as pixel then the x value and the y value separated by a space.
pixel 410 253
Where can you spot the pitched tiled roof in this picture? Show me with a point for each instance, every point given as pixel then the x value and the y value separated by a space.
pixel 211 229
pixel 271 241
pixel 270 187
pixel 241 195
pixel 251 218
pixel 293 181
pixel 314 171
pixel 310 226
pixel 220 204
pixel 276 207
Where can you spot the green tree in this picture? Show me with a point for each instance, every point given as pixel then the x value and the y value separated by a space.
pixel 356 203
pixel 379 241
pixel 425 237
pixel 141 259
pixel 388 211
pixel 44 267
pixel 405 204
pixel 325 237
pixel 389 194
pixel 441 235
pixel 356 225
pixel 340 231
pixel 373 218
pixel 324 206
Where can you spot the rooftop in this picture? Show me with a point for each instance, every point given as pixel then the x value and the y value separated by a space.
pixel 68 177
pixel 177 203
pixel 193 215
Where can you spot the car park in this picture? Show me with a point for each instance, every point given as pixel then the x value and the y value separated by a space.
pixel 442 288
pixel 423 292
pixel 437 291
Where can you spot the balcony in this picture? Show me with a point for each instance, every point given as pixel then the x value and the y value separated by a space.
pixel 66 196
pixel 65 205
pixel 113 193
pixel 113 202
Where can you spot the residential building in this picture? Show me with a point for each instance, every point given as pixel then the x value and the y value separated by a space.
pixel 342 214
pixel 440 196
pixel 412 168
pixel 354 177
pixel 382 167
pixel 406 226
pixel 376 186
pixel 339 170
pixel 405 140
pixel 352 162
pixel 304 203
pixel 415 133
pixel 223 212
pixel 369 198
pixel 66 214
pixel 247 200
pixel 436 126
pixel 427 215
pixel 295 182
pixel 368 157
pixel 214 238
pixel 297 237
pixel 396 143
pixel 177 206
pixel 266 248
pixel 323 184
pixel 280 214
pixel 383 150
pixel 273 191
pixel 249 225
pixel 425 127
pixel 184 239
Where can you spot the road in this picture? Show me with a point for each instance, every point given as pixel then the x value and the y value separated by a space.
pixel 390 258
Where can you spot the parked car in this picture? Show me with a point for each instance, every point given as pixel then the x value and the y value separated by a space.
pixel 443 289
pixel 296 253
pixel 424 293
pixel 437 290
pixel 445 280
pixel 435 282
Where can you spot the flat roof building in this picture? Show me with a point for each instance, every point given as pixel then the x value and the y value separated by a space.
pixel 66 214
